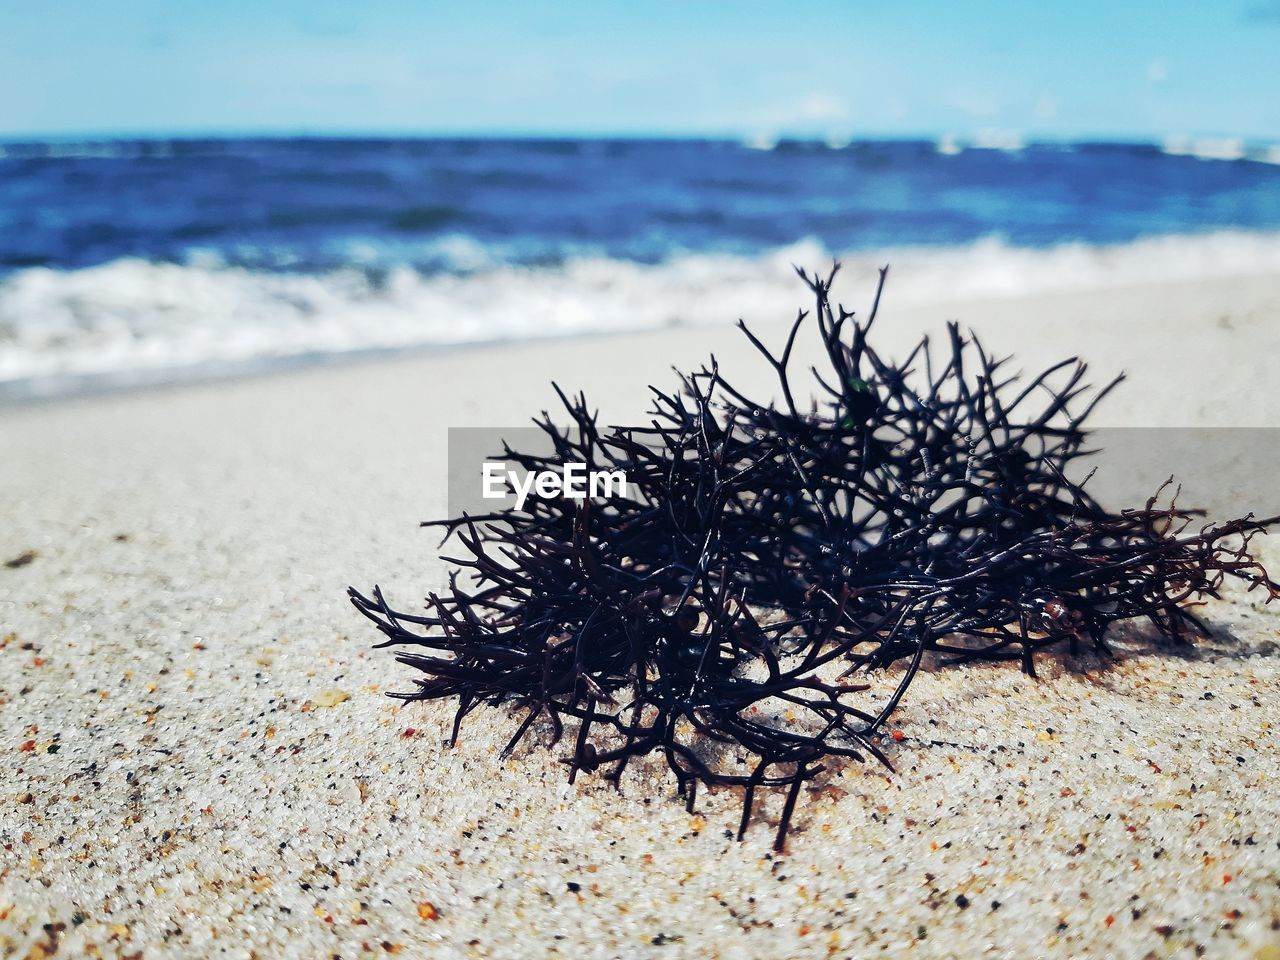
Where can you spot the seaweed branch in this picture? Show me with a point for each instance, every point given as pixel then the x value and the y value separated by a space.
pixel 726 611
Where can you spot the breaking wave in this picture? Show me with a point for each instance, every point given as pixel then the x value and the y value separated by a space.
pixel 133 320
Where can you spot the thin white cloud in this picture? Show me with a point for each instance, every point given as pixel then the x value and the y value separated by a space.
pixel 823 106
pixel 975 104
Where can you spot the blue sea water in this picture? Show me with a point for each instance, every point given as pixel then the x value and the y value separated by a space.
pixel 121 259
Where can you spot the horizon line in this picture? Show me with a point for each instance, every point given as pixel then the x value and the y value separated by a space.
pixel 983 136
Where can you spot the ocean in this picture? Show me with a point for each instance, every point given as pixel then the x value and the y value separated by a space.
pixel 126 262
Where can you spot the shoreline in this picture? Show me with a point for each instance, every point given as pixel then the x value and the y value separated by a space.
pixel 1238 307
pixel 131 324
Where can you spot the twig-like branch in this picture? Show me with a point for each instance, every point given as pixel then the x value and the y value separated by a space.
pixel 712 615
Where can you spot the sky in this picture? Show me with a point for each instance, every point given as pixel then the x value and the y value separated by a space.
pixel 1048 69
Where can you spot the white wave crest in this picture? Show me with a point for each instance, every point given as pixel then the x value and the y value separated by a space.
pixel 133 319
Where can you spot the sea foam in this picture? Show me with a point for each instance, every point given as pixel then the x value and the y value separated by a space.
pixel 132 320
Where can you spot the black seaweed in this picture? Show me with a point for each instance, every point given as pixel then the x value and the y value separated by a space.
pixel 765 558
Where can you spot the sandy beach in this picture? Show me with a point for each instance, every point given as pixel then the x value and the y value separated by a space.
pixel 201 759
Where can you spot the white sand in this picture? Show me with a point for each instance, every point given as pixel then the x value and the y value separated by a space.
pixel 183 626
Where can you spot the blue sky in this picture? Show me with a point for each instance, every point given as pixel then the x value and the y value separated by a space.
pixel 809 67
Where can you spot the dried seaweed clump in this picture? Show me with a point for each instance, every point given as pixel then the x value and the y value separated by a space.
pixel 726 612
